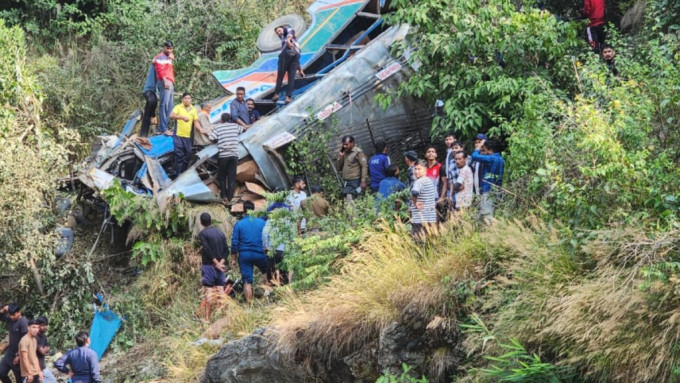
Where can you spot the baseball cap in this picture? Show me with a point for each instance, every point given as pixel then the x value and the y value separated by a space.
pixel 411 155
pixel 481 136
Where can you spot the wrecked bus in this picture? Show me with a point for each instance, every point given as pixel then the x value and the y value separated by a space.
pixel 346 55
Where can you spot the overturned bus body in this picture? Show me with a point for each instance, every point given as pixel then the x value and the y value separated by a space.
pixel 346 55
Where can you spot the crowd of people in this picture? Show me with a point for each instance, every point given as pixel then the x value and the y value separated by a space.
pixel 193 128
pixel 28 348
pixel 437 192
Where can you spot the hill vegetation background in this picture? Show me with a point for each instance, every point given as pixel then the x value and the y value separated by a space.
pixel 578 281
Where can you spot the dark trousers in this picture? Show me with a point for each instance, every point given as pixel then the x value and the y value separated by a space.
pixel 182 153
pixel 596 37
pixel 149 111
pixel 36 379
pixel 287 64
pixel 227 176
pixel 5 367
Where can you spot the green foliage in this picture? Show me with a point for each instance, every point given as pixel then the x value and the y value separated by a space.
pixel 515 364
pixel 404 377
pixel 460 44
pixel 308 157
pixel 664 17
pixel 35 153
pixel 155 223
pixel 146 213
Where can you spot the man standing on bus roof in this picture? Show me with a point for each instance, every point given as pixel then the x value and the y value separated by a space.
pixel 165 84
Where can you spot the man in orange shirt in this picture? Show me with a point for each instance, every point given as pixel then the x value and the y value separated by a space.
pixel 28 355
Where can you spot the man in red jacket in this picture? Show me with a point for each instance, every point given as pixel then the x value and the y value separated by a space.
pixel 165 85
pixel 594 11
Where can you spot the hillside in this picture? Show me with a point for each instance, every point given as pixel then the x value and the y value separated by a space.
pixel 575 280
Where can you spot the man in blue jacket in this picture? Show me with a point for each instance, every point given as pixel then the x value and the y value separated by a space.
pixel 83 361
pixel 377 165
pixel 491 180
pixel 246 246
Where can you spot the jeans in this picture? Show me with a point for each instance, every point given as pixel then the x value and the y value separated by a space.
pixel 5 367
pixel 167 104
pixel 287 64
pixel 226 175
pixel 149 111
pixel 182 153
pixel 486 206
pixel 48 376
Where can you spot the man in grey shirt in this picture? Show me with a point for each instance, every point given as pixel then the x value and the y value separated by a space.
pixel 226 136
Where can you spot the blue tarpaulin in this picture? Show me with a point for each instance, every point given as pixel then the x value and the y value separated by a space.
pixel 160 145
pixel 104 326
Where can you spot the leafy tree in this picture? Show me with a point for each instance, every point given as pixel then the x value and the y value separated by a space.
pixel 33 156
pixel 482 58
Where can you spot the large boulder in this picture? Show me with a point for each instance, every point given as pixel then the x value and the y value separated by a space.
pixel 430 345
pixel 252 359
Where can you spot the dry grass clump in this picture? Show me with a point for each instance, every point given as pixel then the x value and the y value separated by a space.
pixel 614 320
pixel 221 218
pixel 387 273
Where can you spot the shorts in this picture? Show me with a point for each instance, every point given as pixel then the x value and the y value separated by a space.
pixel 246 262
pixel 211 277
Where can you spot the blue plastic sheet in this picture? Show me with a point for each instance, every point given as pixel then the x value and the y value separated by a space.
pixel 104 327
pixel 160 145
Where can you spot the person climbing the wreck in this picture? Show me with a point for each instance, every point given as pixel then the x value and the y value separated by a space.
pixel 165 85
pixel 226 136
pixel 186 116
pixel 289 61
pixel 151 98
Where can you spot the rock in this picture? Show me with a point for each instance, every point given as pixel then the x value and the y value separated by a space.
pixel 431 346
pixel 398 344
pixel 252 360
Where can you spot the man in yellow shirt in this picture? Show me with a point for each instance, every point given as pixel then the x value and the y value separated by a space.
pixel 187 118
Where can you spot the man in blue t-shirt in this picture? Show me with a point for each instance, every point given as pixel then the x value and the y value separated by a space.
pixel 377 165
pixel 390 184
pixel 246 246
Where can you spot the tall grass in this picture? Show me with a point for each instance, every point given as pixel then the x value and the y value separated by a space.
pixel 385 275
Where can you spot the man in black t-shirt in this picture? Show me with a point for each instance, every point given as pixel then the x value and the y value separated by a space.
pixel 44 350
pixel 17 326
pixel 213 255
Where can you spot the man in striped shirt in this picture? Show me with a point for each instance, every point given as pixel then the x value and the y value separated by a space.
pixel 423 193
pixel 226 136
